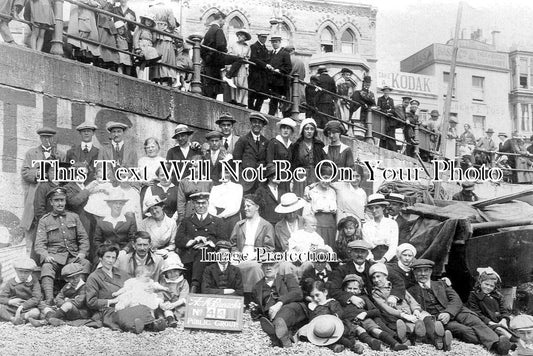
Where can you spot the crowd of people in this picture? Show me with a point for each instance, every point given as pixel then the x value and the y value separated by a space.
pixel 124 253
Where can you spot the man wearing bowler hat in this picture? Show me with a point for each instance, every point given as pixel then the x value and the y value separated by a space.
pixel 215 154
pixel 251 149
pixel 258 76
pixel 47 150
pixel 444 303
pixel 85 152
pixel 279 65
pixel 184 150
pixel 225 122
pixel 125 154
pixel 61 239
pixel 199 231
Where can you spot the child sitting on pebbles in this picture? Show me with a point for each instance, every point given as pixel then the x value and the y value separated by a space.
pixel 140 290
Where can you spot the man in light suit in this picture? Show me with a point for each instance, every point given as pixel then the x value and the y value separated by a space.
pixel 85 152
pixel 47 150
pixel 215 154
pixel 125 154
pixel 251 149
pixel 444 303
pixel 229 139
pixel 279 64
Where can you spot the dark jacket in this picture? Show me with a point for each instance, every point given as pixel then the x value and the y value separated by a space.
pixel 386 105
pixel 282 234
pixel 286 288
pixel 216 39
pixel 121 234
pixel 351 311
pixel 318 154
pixel 246 150
pixel 264 236
pixel 281 61
pixel 269 203
pixel 325 81
pixel 213 274
pixel 190 228
pixel 488 307
pixel 76 154
pixel 175 154
pixel 446 296
pixel 258 76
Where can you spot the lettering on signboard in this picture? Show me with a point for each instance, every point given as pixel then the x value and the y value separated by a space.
pixel 215 312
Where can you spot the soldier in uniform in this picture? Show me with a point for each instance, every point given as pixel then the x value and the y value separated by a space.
pixel 258 76
pixel 61 239
pixel 200 230
pixel 409 131
pixel 85 152
pixel 386 105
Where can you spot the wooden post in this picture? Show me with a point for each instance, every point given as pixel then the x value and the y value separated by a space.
pixel 196 84
pixel 368 124
pixel 295 112
pixel 57 41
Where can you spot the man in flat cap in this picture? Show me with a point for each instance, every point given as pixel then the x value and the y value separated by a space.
pixel 215 154
pixel 199 231
pixel 279 65
pixel 125 154
pixel 47 150
pixel 61 239
pixel 258 76
pixel 225 122
pixel 251 149
pixel 444 303
pixel 467 192
pixel 85 152
pixel 324 101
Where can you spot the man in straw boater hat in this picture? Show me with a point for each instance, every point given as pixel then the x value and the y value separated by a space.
pixel 251 149
pixel 85 152
pixel 225 122
pixel 258 76
pixel 290 207
pixel 184 150
pixel 61 239
pixel 444 303
pixel 125 154
pixel 222 277
pixel 277 303
pixel 200 230
pixel 394 212
pixel 279 65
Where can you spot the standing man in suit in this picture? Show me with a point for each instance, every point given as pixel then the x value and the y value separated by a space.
pixel 199 231
pixel 229 139
pixel 215 154
pixel 251 149
pixel 47 150
pixel 258 74
pixel 85 152
pixel 365 99
pixel 213 61
pixel 325 102
pixel 279 66
pixel 444 303
pixel 386 105
pixel 394 210
pixel 124 154
pixel 184 150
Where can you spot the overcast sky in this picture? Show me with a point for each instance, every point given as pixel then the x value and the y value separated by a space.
pixel 406 26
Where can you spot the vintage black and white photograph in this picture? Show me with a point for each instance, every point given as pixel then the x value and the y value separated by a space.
pixel 268 177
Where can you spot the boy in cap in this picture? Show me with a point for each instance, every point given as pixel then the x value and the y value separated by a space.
pixel 70 300
pixel 61 239
pixel 21 295
pixel 222 277
pixel 444 303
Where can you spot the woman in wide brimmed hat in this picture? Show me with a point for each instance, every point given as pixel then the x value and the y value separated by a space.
pixel 289 208
pixel 379 231
pixel 161 228
pixel 143 44
pixel 237 73
pixel 115 227
pixel 307 152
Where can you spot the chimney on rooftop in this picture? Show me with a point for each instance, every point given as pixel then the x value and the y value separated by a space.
pixel 495 38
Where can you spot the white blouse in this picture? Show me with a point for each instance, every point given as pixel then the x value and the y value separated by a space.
pixel 384 233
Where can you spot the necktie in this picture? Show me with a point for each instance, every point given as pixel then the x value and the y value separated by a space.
pixel 117 149
pixel 226 146
pixel 257 144
pixel 86 149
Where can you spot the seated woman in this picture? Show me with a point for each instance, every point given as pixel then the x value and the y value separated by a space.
pixel 248 235
pixel 380 232
pixel 165 190
pixel 161 228
pixel 225 203
pixel 221 277
pixel 407 316
pixel 116 227
pixel 101 285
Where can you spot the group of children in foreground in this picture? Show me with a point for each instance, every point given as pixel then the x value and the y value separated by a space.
pixel 330 323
